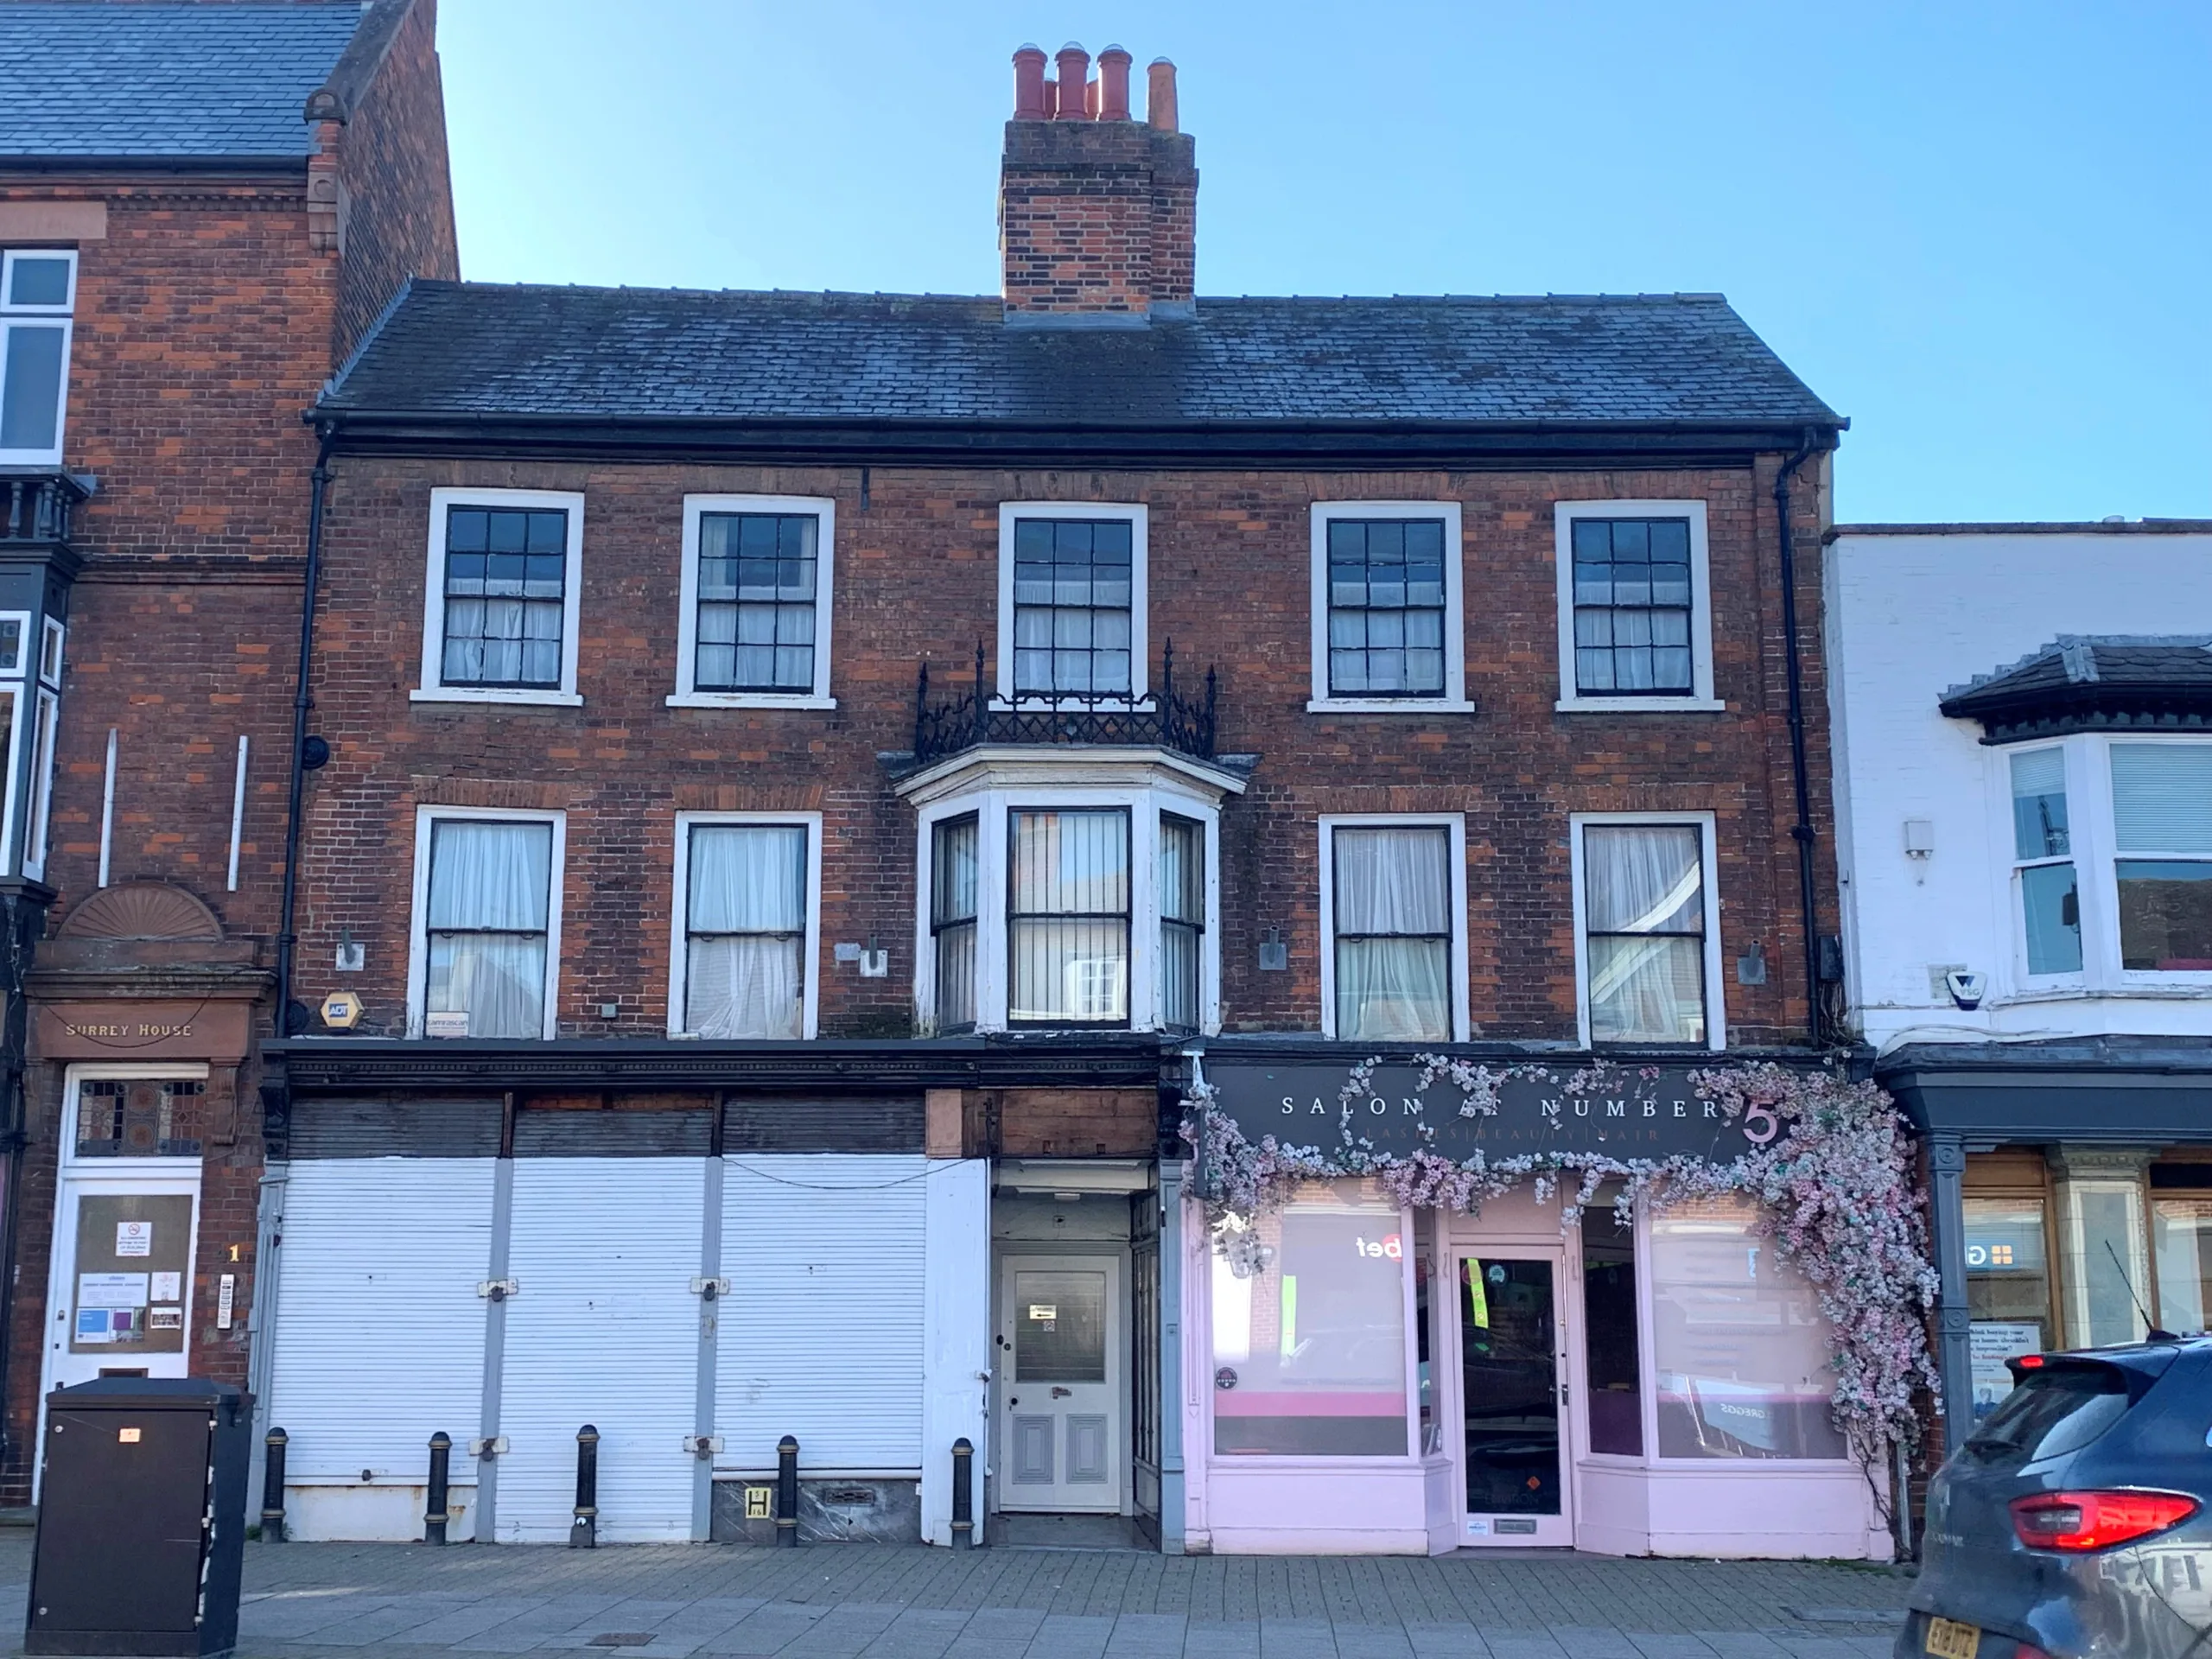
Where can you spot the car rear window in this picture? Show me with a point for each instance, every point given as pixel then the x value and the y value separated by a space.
pixel 2058 1410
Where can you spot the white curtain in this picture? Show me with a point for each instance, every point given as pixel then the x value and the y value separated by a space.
pixel 1389 884
pixel 744 975
pixel 490 895
pixel 1644 900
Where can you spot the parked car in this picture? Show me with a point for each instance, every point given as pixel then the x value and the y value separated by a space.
pixel 2076 1521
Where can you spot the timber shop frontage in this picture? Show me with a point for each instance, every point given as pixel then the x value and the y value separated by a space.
pixel 1473 1298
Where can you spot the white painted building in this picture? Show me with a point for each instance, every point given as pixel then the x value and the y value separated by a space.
pixel 2022 720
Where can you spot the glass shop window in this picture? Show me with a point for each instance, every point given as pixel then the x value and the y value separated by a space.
pixel 1309 1328
pixel 2181 1241
pixel 2008 1291
pixel 1740 1347
pixel 1613 1397
pixel 2106 1276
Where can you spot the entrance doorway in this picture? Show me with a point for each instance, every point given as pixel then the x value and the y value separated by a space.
pixel 1062 1438
pixel 1512 1392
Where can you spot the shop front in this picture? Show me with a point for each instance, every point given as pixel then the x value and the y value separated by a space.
pixel 2071 1195
pixel 1371 1370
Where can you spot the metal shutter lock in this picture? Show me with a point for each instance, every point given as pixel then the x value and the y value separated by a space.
pixel 702 1446
pixel 498 1290
pixel 496 1446
pixel 710 1288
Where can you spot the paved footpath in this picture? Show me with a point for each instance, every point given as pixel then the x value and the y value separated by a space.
pixel 843 1601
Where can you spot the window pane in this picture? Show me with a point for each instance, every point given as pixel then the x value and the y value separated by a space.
pixel 30 387
pixel 2039 828
pixel 766 564
pixel 955 975
pixel 1182 869
pixel 2008 1291
pixel 1739 1344
pixel 1646 989
pixel 1309 1330
pixel 1614 1399
pixel 1179 976
pixel 2107 1274
pixel 505 577
pixel 1067 970
pixel 2180 1233
pixel 1392 881
pixel 1072 592
pixel 1394 990
pixel 1643 878
pixel 1071 863
pixel 497 979
pixel 2162 797
pixel 744 986
pixel 490 876
pixel 747 879
pixel 1059 1326
pixel 2050 914
pixel 953 885
pixel 34 280
pixel 1633 599
pixel 1386 590
pixel 2165 915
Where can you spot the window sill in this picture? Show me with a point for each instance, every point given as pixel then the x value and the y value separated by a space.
pixel 511 699
pixel 750 700
pixel 1390 706
pixel 1640 706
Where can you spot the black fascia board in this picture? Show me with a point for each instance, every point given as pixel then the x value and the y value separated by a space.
pixel 1287 444
pixel 2036 1103
pixel 288 165
pixel 1292 1048
pixel 1097 1061
pixel 2018 715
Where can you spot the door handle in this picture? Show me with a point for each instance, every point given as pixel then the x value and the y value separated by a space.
pixel 1562 1394
pixel 1062 1393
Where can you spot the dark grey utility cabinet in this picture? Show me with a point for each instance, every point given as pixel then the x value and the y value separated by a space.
pixel 141 1518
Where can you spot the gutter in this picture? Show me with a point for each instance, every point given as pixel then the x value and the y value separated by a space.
pixel 303 701
pixel 1802 831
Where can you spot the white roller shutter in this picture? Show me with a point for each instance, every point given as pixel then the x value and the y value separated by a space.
pixel 603 1329
pixel 820 1335
pixel 379 1335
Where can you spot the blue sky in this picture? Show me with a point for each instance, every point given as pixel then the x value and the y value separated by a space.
pixel 1982 230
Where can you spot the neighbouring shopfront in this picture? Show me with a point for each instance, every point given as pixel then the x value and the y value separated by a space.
pixel 2071 1195
pixel 1442 1348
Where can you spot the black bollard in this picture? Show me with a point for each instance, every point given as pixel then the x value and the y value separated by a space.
pixel 433 1507
pixel 272 1487
pixel 963 1494
pixel 787 1492
pixel 584 1532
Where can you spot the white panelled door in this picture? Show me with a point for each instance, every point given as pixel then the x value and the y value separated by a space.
pixel 1061 1367
pixel 603 1328
pixel 379 1339
pixel 821 1338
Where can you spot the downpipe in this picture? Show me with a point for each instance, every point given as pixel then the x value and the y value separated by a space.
pixel 1802 830
pixel 302 704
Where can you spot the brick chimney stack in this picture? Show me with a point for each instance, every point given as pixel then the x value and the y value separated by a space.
pixel 1097 212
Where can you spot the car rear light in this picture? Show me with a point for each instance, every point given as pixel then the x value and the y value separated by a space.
pixel 2087 1520
pixel 2029 1651
pixel 2029 1361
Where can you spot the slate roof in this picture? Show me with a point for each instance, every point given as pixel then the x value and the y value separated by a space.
pixel 454 349
pixel 164 80
pixel 2092 682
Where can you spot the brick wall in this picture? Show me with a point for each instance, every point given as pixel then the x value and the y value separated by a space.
pixel 1095 216
pixel 916 579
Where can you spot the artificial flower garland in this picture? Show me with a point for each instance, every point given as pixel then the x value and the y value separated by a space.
pixel 1828 1161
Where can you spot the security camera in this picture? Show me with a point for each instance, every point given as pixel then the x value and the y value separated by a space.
pixel 1966 988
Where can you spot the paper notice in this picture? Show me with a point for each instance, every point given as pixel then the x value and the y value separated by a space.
pixel 169 1286
pixel 165 1319
pixel 134 1238
pixel 111 1290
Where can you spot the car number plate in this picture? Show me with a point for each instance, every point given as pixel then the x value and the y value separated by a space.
pixel 1949 1639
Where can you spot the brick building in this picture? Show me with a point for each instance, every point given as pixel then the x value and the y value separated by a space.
pixel 818 781
pixel 202 208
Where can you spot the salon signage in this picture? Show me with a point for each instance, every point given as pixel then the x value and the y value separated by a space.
pixel 1637 1112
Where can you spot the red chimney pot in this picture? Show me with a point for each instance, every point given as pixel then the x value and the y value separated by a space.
pixel 1029 84
pixel 1074 65
pixel 1113 85
pixel 1159 95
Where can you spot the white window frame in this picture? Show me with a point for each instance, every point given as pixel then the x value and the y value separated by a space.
pixel 1144 805
pixel 1701 698
pixel 2012 865
pixel 1139 631
pixel 54 638
pixel 418 941
pixel 1454 699
pixel 1716 994
pixel 44 316
pixel 45 739
pixel 22 680
pixel 1455 824
pixel 2106 829
pixel 125 1071
pixel 821 508
pixel 432 690
pixel 679 952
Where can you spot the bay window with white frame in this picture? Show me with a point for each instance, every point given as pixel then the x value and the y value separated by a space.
pixel 1394 969
pixel 1090 909
pixel 746 907
pixel 487 922
pixel 1647 926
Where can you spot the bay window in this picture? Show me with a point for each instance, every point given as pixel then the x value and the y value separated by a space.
pixel 1068 909
pixel 2162 845
pixel 1394 968
pixel 1647 931
pixel 745 961
pixel 487 926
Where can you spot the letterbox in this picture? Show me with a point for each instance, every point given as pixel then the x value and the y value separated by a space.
pixel 141 1518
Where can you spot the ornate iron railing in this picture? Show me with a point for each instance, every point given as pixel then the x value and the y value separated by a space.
pixel 35 505
pixel 972 716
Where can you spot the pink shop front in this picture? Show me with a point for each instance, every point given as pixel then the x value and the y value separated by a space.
pixel 1365 1377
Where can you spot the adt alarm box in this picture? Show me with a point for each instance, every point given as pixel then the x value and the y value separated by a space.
pixel 141 1518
